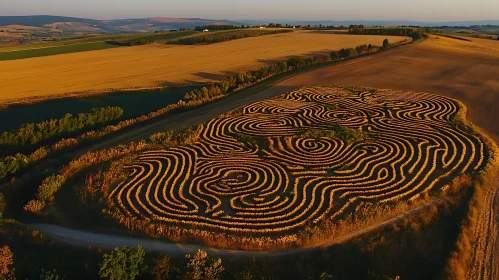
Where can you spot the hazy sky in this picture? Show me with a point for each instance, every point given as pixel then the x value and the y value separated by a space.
pixel 427 10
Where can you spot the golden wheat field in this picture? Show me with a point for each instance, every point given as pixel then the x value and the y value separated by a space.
pixel 300 159
pixel 153 65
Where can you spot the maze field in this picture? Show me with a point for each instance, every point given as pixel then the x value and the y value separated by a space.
pixel 315 154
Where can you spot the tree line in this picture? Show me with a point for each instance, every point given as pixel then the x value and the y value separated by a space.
pixel 32 133
pixel 150 38
pixel 225 36
pixel 248 78
pixel 414 33
pixel 213 27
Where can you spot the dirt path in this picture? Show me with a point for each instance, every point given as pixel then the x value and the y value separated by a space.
pixel 485 259
pixel 106 241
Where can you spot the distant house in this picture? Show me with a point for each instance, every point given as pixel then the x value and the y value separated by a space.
pixel 206 30
pixel 261 27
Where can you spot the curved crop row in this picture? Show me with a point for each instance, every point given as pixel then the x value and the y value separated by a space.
pixel 308 155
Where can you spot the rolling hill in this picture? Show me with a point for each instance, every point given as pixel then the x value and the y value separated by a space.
pixel 72 24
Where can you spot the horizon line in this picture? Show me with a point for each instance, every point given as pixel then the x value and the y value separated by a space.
pixel 242 19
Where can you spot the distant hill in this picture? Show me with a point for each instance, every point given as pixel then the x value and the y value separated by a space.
pixel 72 24
pixel 373 22
pixel 40 21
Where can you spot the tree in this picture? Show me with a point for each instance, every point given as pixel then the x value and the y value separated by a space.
pixel 369 48
pixel 202 267
pixel 386 44
pixel 335 55
pixel 124 264
pixel 162 268
pixel 295 62
pixel 6 262
pixel 361 49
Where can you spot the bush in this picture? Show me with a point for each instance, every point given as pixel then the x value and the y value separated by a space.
pixel 202 267
pixel 386 44
pixel 49 187
pixel 162 268
pixel 34 206
pixel 124 264
pixel 6 262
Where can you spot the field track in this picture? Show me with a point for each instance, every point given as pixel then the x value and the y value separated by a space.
pixel 109 242
pixel 486 249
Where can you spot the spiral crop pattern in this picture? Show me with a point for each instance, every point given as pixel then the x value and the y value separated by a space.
pixel 297 170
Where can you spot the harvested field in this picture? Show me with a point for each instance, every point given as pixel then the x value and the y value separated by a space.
pixel 467 71
pixel 154 65
pixel 308 156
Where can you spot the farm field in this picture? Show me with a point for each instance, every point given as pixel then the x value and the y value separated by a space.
pixel 67 42
pixel 55 51
pixel 467 71
pixel 152 65
pixel 292 162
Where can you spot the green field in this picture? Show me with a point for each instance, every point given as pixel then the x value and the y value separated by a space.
pixel 151 38
pixel 132 103
pixel 54 50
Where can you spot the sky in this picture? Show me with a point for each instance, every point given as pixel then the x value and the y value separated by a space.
pixel 419 10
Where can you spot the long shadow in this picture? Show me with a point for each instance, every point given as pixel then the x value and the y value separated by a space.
pixel 210 76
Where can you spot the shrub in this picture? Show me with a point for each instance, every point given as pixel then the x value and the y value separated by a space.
pixel 202 267
pixel 162 268
pixel 124 264
pixel 6 262
pixel 386 44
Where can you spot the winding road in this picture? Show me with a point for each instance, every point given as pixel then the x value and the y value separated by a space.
pixel 106 241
